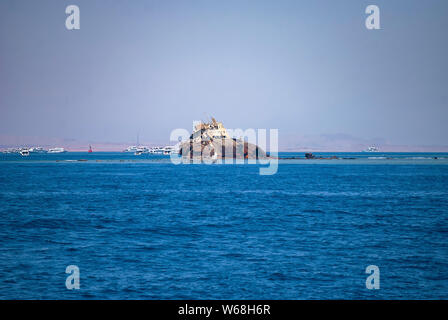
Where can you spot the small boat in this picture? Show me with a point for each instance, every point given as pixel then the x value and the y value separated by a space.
pixel 167 150
pixel 371 149
pixel 130 149
pixel 155 150
pixel 24 152
pixel 37 150
pixel 90 149
pixel 141 150
pixel 56 150
pixel 12 150
pixel 135 149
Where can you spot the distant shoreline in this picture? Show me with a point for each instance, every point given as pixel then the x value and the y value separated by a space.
pixel 281 151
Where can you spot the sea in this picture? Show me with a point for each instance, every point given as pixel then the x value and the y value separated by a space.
pixel 141 227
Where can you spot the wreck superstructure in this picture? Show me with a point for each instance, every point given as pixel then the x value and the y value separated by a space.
pixel 210 130
pixel 210 140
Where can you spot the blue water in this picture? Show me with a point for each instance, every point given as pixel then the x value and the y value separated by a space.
pixel 143 228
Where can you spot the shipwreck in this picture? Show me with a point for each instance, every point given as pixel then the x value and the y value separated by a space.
pixel 211 141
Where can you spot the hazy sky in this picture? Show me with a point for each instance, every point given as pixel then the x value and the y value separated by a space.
pixel 304 67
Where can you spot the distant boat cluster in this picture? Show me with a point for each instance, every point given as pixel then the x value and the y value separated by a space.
pixel 371 149
pixel 27 151
pixel 139 150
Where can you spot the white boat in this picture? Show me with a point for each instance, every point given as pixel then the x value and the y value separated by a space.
pixel 56 150
pixel 141 150
pixel 12 150
pixel 163 150
pixel 156 150
pixel 169 149
pixel 371 149
pixel 24 152
pixel 37 150
pixel 131 149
